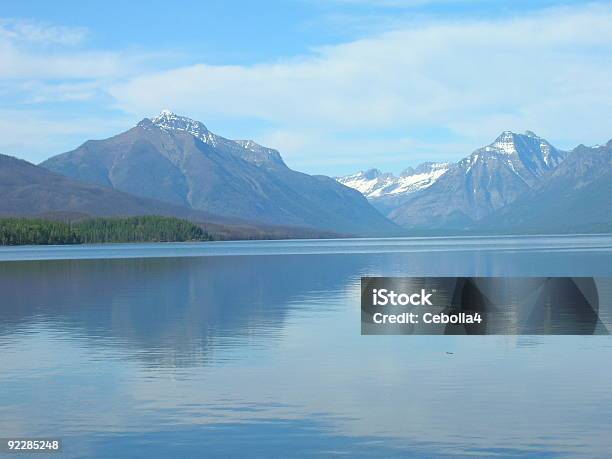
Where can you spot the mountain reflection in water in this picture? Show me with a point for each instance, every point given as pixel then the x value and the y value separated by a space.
pixel 262 354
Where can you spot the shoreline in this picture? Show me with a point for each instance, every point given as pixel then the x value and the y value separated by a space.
pixel 475 244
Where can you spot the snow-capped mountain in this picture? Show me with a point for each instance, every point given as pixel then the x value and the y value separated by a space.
pixel 247 149
pixel 574 197
pixel 519 182
pixel 176 159
pixel 376 184
pixel 456 195
pixel 527 155
pixel 487 180
pixel 168 121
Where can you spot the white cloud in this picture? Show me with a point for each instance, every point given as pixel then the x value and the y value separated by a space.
pixel 23 31
pixel 35 52
pixel 47 64
pixel 34 135
pixel 548 72
pixel 336 155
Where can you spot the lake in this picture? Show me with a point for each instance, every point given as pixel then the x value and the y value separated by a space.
pixel 254 349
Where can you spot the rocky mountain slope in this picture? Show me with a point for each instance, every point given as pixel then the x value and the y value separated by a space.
pixel 575 197
pixel 28 190
pixel 178 160
pixel 32 191
pixel 466 192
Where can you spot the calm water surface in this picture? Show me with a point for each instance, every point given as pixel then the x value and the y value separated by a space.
pixel 254 348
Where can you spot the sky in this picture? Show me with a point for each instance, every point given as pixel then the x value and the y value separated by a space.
pixel 335 85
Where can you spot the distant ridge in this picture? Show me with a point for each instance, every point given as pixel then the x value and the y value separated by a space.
pixel 375 184
pixel 469 191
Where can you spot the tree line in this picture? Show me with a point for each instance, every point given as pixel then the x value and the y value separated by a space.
pixel 37 231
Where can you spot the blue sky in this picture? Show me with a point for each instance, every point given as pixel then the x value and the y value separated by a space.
pixel 336 85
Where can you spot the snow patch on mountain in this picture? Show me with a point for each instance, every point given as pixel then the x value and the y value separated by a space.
pixel 527 155
pixel 493 175
pixel 246 149
pixel 169 121
pixel 259 154
pixel 375 184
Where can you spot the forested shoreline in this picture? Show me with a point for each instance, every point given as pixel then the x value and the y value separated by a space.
pixel 38 231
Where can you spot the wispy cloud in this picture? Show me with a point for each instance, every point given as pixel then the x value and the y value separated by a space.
pixel 23 31
pixel 33 133
pixel 547 71
pixel 44 64
pixel 39 52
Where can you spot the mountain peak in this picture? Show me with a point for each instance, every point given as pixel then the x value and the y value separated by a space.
pixel 527 155
pixel 169 120
pixel 165 115
pixel 512 135
pixel 510 142
pixel 505 142
pixel 176 159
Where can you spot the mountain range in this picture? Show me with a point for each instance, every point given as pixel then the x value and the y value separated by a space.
pixel 519 182
pixel 375 184
pixel 173 165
